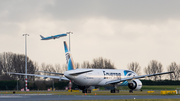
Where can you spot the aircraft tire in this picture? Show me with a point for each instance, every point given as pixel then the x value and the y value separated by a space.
pixel 131 91
pixel 115 91
pixel 84 91
pixel 88 91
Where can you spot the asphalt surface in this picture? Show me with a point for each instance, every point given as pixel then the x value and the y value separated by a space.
pixel 40 97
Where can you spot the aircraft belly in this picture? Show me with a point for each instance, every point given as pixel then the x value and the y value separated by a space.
pixel 81 80
pixel 87 80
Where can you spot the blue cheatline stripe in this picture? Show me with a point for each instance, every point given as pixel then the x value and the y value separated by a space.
pixel 65 47
pixel 70 66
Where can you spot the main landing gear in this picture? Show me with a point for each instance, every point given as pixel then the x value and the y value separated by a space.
pixel 131 91
pixel 85 89
pixel 114 90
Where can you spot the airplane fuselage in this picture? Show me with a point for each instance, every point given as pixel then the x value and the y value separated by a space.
pixel 97 77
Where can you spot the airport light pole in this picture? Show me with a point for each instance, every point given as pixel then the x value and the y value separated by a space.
pixel 70 84
pixel 69 38
pixel 26 59
pixel 17 84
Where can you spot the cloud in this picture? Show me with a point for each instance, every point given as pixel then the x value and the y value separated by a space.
pixel 139 10
pixel 122 10
pixel 122 31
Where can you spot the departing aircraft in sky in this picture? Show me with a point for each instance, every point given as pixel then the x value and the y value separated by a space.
pixel 52 37
pixel 85 78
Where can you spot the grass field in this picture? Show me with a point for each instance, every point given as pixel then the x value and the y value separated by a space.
pixel 152 87
pixel 162 87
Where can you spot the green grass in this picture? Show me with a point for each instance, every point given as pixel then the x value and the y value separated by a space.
pixel 152 87
pixel 162 87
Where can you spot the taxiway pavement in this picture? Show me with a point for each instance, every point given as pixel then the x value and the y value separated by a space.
pixel 40 97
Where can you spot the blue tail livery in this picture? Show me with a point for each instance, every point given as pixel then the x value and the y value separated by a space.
pixel 69 59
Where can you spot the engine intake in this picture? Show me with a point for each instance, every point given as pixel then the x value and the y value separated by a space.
pixel 135 85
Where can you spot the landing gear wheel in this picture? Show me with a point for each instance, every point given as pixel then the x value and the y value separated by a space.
pixel 115 91
pixel 130 91
pixel 86 91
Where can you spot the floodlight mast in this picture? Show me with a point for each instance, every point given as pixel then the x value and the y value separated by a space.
pixel 69 50
pixel 26 59
pixel 69 38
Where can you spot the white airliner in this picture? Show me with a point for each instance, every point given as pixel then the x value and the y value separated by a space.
pixel 85 78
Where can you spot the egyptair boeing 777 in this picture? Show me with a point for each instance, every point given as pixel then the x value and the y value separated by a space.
pixel 85 78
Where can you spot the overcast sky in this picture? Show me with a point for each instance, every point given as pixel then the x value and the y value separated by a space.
pixel 123 31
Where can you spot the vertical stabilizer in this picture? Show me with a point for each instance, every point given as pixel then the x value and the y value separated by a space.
pixel 41 36
pixel 69 60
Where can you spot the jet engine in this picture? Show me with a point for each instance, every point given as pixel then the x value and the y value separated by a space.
pixel 135 84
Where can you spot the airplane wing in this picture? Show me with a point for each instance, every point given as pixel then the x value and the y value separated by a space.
pixel 50 72
pixel 136 77
pixel 45 76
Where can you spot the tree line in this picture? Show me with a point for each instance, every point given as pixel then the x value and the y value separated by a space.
pixel 156 67
pixel 12 62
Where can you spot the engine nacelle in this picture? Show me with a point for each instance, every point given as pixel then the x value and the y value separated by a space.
pixel 135 85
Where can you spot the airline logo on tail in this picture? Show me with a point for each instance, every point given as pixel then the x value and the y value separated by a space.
pixel 69 59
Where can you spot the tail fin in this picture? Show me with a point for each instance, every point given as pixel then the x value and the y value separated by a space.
pixel 69 59
pixel 41 36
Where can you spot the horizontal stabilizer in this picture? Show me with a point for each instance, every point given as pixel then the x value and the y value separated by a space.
pixel 41 36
